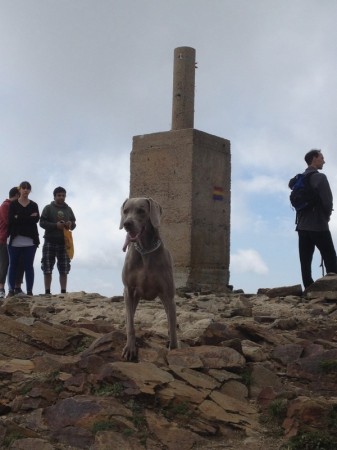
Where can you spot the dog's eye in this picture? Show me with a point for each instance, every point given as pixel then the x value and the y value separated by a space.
pixel 141 211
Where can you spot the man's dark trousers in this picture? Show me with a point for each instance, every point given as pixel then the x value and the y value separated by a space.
pixel 307 241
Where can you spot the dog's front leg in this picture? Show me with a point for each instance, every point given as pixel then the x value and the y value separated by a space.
pixel 131 301
pixel 170 308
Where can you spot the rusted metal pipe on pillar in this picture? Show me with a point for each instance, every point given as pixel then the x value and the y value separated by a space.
pixel 183 88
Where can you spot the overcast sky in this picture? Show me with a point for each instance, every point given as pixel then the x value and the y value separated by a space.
pixel 80 78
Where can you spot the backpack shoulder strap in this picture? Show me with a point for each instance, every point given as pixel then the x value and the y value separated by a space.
pixel 308 174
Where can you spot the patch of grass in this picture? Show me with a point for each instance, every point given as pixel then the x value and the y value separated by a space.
pixel 26 388
pixel 109 390
pixel 247 377
pixel 332 418
pixel 311 441
pixel 180 410
pixel 104 425
pixel 127 432
pixel 58 387
pixel 53 378
pixel 277 410
pixel 143 438
pixel 139 420
pixel 274 416
pixel 84 344
pixel 328 366
pixel 11 438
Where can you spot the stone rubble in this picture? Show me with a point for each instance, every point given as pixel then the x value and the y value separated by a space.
pixel 64 384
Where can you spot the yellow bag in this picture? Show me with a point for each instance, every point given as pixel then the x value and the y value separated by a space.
pixel 68 242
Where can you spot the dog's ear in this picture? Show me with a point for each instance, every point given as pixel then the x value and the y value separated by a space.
pixel 155 213
pixel 121 225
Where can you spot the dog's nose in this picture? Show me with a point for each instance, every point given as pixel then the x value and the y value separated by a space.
pixel 127 224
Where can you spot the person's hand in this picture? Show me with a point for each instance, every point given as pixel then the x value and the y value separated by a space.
pixel 34 214
pixel 60 225
pixel 68 225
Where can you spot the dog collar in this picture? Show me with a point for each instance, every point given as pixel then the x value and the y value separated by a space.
pixel 143 251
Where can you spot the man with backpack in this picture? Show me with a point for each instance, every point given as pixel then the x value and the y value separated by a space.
pixel 312 218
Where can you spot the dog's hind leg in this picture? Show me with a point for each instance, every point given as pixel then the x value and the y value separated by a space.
pixel 131 300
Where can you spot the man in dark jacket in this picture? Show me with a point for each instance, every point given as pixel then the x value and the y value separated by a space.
pixel 55 218
pixel 313 222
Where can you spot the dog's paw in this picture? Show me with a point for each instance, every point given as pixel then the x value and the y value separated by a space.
pixel 129 353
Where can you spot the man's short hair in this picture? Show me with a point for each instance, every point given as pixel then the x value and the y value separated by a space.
pixel 13 192
pixel 311 155
pixel 59 190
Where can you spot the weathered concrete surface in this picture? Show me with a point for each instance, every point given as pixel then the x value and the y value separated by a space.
pixel 183 170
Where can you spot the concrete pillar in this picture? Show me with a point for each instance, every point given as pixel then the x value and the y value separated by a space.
pixel 183 88
pixel 189 173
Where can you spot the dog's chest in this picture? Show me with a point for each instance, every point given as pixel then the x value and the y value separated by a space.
pixel 145 279
pixel 147 283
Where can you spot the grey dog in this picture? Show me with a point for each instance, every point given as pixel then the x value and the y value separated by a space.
pixel 148 268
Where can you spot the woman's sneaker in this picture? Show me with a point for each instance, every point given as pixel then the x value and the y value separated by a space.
pixel 2 293
pixel 19 293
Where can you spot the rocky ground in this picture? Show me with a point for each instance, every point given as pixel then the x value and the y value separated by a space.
pixel 252 371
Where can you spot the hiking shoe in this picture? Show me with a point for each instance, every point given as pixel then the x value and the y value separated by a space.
pixel 20 294
pixel 10 294
pixel 17 291
pixel 2 293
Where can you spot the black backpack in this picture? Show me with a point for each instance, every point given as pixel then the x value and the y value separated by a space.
pixel 303 195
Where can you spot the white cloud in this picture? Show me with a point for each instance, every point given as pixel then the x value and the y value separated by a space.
pixel 248 260
pixel 262 184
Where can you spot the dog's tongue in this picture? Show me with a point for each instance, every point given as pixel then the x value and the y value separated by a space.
pixel 133 238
